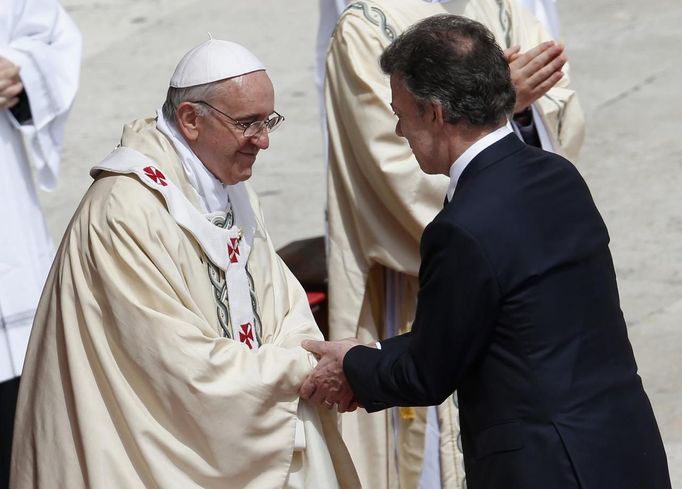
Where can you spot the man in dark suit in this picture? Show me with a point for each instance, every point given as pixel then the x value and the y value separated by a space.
pixel 518 307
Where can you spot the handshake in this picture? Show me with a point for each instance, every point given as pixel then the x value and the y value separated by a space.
pixel 327 384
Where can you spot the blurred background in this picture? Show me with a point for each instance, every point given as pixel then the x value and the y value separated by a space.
pixel 625 65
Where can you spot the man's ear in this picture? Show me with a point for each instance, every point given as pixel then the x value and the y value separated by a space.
pixel 438 114
pixel 187 121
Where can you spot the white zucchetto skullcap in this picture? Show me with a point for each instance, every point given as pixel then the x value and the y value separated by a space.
pixel 214 60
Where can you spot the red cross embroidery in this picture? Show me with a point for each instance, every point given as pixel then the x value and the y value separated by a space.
pixel 156 175
pixel 233 250
pixel 246 334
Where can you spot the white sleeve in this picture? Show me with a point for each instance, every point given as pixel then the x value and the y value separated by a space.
pixel 46 45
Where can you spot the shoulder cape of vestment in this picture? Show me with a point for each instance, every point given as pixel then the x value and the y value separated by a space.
pixel 212 239
pixel 227 248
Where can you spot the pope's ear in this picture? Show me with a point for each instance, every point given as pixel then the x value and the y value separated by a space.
pixel 187 121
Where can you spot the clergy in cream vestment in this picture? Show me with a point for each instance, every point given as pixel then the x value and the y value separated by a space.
pixel 165 352
pixel 379 202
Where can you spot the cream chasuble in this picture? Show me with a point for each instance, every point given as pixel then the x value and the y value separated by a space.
pixel 129 378
pixel 379 202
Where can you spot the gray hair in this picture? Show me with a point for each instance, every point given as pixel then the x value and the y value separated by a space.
pixel 176 96
pixel 454 62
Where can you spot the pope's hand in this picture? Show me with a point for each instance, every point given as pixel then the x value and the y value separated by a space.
pixel 534 72
pixel 327 384
pixel 10 84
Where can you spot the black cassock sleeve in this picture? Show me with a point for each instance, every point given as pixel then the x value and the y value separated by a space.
pixel 22 110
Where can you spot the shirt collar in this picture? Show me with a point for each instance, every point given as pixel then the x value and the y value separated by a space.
pixel 471 152
pixel 212 193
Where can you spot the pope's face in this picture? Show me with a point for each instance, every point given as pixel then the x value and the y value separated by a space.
pixel 221 145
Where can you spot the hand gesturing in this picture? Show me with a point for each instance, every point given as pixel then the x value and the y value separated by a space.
pixel 534 72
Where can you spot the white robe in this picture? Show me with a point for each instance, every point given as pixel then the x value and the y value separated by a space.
pixel 129 381
pixel 329 13
pixel 546 12
pixel 39 37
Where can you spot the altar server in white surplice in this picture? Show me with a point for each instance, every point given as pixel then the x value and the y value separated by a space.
pixel 166 348
pixel 40 52
pixel 379 202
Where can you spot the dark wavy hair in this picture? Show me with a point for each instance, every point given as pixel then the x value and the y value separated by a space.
pixel 456 62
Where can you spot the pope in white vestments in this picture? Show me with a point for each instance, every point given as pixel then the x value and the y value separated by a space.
pixel 40 51
pixel 379 202
pixel 165 351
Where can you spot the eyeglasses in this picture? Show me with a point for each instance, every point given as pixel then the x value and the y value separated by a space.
pixel 253 128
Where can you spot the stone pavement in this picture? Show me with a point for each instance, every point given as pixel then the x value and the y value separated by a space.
pixel 626 66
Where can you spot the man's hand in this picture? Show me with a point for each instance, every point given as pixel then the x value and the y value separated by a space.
pixel 10 84
pixel 534 72
pixel 327 385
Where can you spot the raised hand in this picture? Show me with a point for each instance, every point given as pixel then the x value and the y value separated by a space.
pixel 10 84
pixel 534 72
pixel 327 384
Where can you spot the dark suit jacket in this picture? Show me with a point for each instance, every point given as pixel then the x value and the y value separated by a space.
pixel 518 310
